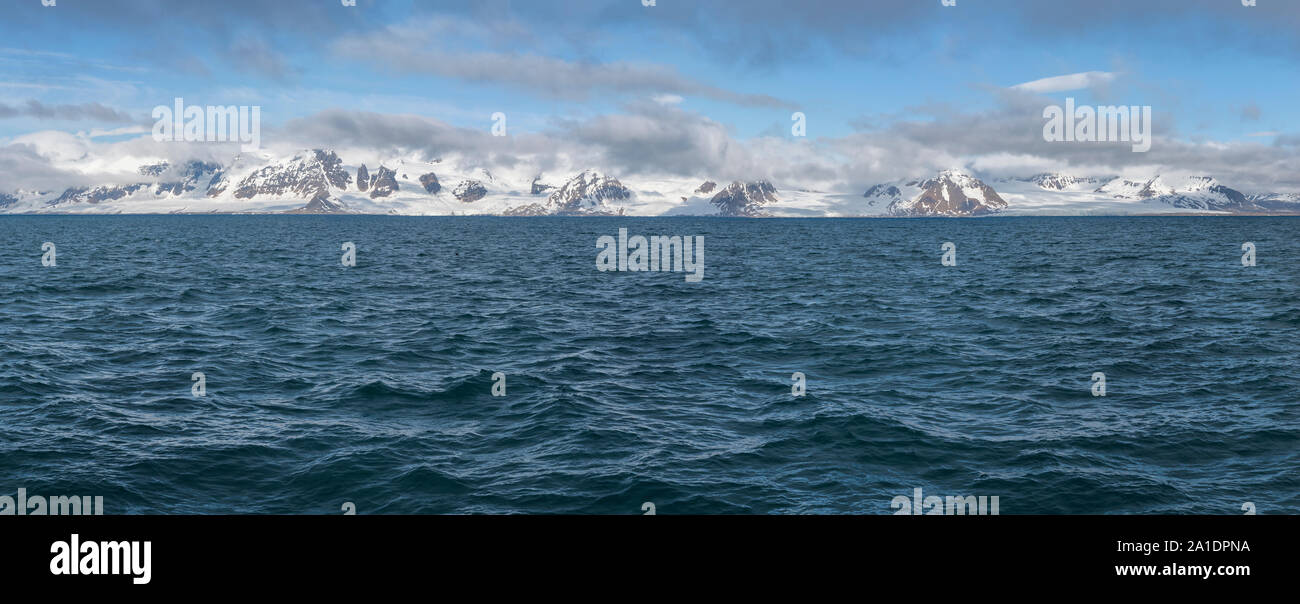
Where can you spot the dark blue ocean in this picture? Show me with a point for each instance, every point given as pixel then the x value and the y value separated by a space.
pixel 373 384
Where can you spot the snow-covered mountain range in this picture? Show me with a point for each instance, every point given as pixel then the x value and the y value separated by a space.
pixel 951 193
pixel 321 181
pixel 1135 194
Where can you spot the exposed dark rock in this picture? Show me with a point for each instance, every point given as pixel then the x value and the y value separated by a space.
pixel 218 184
pixel 310 175
pixel 887 191
pixel 744 199
pixel 321 205
pixel 532 209
pixel 951 193
pixel 539 187
pixel 470 191
pixel 588 193
pixel 93 195
pixel 154 169
pixel 430 182
pixel 383 183
pixel 1208 194
pixel 1277 202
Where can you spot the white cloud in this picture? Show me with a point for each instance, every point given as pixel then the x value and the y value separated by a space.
pixel 99 133
pixel 1062 83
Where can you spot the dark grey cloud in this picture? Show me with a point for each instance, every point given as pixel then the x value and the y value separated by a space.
pixel 392 135
pixel 1008 139
pixel 1158 16
pixel 21 167
pixel 1288 140
pixel 764 33
pixel 418 50
pixel 650 138
pixel 257 56
pixel 258 37
pixel 647 139
pixel 754 33
pixel 381 132
pixel 220 18
pixel 252 36
pixel 83 112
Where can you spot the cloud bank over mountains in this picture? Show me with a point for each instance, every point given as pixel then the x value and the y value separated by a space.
pixel 690 91
pixel 654 140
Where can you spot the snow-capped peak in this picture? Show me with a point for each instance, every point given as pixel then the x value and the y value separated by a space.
pixel 588 192
pixel 953 192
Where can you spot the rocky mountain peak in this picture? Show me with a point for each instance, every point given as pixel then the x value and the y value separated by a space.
pixel 153 169
pixel 308 175
pixel 1056 182
pixel 744 198
pixel 321 205
pixel 470 191
pixel 1192 193
pixel 951 193
pixel 883 194
pixel 588 192
pixel 383 183
pixel 1276 202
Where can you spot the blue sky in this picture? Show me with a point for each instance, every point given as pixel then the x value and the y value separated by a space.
pixel 1214 72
